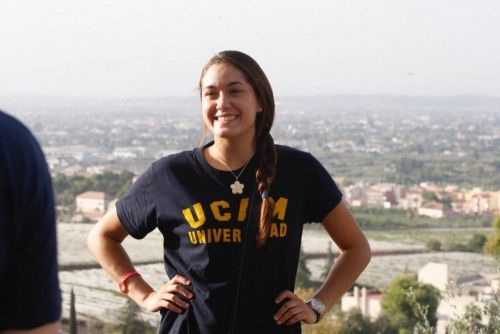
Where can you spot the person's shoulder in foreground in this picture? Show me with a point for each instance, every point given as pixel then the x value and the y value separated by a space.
pixel 30 299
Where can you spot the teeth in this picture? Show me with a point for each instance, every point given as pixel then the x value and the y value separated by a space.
pixel 226 117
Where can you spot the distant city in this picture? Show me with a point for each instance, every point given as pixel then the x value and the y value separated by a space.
pixel 395 158
pixel 436 155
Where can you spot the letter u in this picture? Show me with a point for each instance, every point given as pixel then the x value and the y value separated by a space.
pixel 188 215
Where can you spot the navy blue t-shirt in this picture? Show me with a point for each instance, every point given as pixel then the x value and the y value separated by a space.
pixel 210 235
pixel 29 286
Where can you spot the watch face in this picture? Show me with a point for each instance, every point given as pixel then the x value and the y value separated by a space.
pixel 317 305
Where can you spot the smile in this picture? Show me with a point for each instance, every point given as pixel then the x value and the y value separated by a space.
pixel 226 118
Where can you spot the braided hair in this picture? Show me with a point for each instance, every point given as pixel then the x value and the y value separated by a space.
pixel 263 141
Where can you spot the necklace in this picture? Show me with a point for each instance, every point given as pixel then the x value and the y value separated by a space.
pixel 236 186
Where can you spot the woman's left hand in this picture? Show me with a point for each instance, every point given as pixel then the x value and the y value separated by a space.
pixel 293 310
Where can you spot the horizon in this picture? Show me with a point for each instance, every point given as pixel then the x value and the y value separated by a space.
pixel 159 96
pixel 153 48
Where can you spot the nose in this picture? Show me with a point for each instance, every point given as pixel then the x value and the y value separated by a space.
pixel 223 101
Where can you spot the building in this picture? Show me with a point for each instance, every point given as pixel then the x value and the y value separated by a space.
pixel 368 303
pixel 93 204
pixel 432 209
pixel 435 274
pixel 473 290
pixel 411 199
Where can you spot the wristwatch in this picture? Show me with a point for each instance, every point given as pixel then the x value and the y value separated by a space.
pixel 318 307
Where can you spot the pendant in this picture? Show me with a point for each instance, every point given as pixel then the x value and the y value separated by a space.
pixel 237 187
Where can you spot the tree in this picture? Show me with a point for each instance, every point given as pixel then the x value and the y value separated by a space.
pixel 353 322
pixel 303 278
pixel 67 187
pixel 492 245
pixel 446 200
pixel 470 322
pixel 383 325
pixel 429 196
pixel 408 170
pixel 130 322
pixel 496 223
pixel 433 245
pixel 478 318
pixel 476 243
pixel 73 323
pixel 399 308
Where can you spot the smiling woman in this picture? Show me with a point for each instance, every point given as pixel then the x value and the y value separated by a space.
pixel 231 213
pixel 229 103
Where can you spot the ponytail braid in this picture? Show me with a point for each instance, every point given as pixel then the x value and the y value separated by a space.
pixel 265 174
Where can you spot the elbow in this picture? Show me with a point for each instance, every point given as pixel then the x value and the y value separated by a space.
pixel 366 253
pixel 93 240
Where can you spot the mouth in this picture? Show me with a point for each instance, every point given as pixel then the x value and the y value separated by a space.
pixel 225 118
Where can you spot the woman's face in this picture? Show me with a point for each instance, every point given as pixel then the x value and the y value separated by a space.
pixel 228 102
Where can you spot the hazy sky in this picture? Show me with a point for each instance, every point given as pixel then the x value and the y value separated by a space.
pixel 147 48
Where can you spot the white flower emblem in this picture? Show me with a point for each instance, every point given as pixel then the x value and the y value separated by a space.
pixel 237 187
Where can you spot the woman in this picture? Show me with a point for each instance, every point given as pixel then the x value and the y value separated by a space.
pixel 231 213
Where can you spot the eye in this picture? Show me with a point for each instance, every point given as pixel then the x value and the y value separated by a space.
pixel 235 91
pixel 210 93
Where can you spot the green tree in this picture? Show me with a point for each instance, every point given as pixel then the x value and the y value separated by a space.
pixel 73 322
pixel 429 196
pixel 470 322
pixel 67 187
pixel 481 318
pixel 400 309
pixel 130 322
pixel 303 277
pixel 476 243
pixel 433 245
pixel 496 223
pixel 383 325
pixel 353 322
pixel 492 245
pixel 446 200
pixel 408 170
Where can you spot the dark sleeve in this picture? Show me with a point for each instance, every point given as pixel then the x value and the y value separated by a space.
pixel 322 194
pixel 137 208
pixel 29 285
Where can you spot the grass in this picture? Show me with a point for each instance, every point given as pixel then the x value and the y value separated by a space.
pixel 422 235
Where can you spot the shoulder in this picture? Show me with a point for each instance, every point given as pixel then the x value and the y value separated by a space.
pixel 287 154
pixel 14 133
pixel 19 147
pixel 172 163
pixel 179 159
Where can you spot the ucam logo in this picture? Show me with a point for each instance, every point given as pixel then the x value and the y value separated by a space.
pixel 221 211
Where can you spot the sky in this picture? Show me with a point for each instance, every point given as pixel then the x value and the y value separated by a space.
pixel 153 48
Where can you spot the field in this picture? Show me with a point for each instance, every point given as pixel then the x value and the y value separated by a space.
pixel 97 296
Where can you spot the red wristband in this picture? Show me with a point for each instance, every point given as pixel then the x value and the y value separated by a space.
pixel 125 278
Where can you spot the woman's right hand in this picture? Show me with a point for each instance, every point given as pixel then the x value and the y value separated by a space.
pixel 170 296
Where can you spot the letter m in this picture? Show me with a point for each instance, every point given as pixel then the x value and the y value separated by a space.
pixel 280 208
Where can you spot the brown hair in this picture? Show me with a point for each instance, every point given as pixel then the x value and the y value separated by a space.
pixel 263 141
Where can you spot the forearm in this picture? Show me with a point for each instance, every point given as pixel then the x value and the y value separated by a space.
pixel 343 274
pixel 111 255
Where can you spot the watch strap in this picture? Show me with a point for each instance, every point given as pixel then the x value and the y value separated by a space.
pixel 318 314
